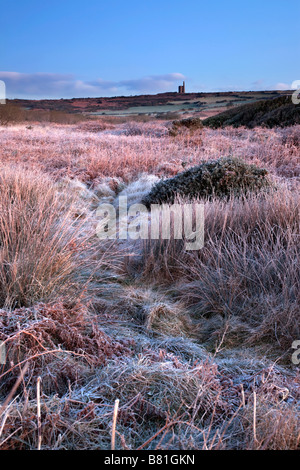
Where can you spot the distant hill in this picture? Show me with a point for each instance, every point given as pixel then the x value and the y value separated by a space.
pixel 200 104
pixel 280 111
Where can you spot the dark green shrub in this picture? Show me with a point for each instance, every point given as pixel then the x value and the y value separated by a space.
pixel 219 178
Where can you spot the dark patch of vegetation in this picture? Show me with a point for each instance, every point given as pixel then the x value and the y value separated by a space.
pixel 191 123
pixel 13 114
pixel 275 112
pixel 220 178
pixel 169 116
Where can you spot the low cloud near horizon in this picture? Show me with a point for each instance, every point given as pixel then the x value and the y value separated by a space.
pixel 280 86
pixel 51 85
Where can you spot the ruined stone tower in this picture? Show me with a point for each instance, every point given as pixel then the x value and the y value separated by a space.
pixel 181 88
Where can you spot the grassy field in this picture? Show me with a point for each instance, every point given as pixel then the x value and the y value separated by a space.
pixel 195 346
pixel 204 105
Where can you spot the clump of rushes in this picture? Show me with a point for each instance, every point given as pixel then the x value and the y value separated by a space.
pixel 43 247
pixel 215 178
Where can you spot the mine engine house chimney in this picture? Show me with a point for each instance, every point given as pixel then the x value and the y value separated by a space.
pixel 181 88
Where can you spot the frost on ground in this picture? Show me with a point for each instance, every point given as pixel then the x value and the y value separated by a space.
pixel 196 346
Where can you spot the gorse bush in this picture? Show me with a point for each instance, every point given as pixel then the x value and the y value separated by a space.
pixel 220 178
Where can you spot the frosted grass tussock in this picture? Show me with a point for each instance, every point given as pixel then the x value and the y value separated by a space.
pixel 138 189
pixel 86 196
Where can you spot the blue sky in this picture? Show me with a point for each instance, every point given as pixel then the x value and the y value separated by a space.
pixel 71 48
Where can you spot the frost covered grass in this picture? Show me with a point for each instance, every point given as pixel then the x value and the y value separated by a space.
pixel 64 151
pixel 196 346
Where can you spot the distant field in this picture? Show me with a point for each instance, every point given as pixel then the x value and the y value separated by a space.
pixel 204 106
pixel 200 104
pixel 167 108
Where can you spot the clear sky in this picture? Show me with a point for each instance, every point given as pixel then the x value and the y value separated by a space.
pixel 71 48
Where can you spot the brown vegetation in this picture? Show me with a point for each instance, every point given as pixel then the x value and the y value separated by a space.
pixel 195 346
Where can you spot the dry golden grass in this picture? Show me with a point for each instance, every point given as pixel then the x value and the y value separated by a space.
pixel 41 241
